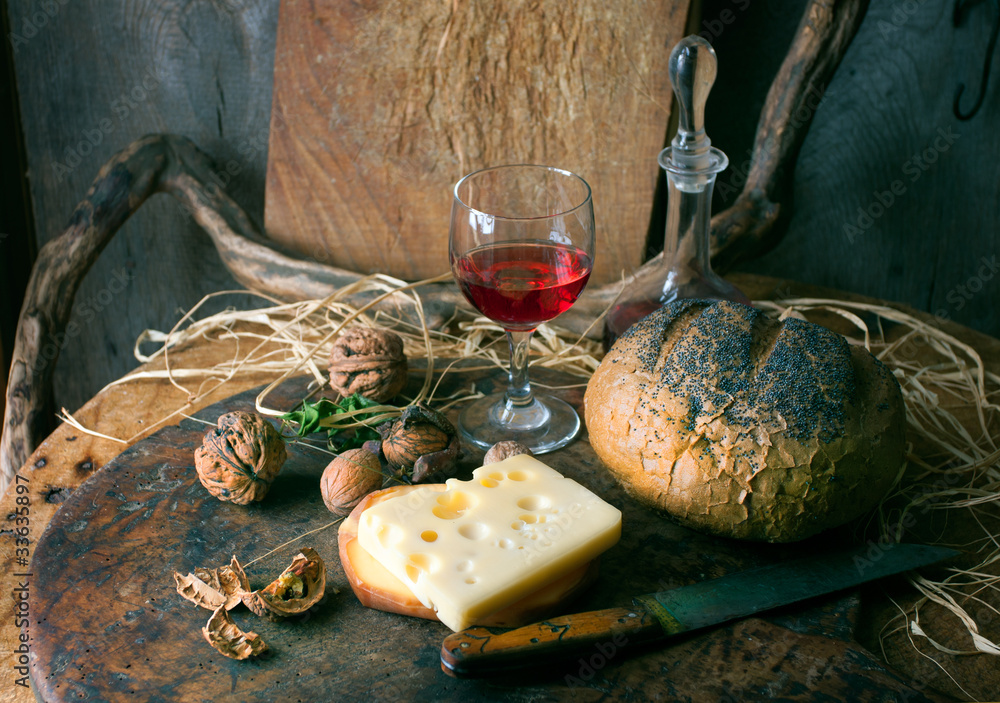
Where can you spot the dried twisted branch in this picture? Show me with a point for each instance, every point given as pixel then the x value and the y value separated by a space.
pixel 174 165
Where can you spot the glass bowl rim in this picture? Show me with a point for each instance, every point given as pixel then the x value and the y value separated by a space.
pixel 587 199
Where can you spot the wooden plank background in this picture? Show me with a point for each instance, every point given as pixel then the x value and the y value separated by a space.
pixel 894 196
pixel 96 74
pixel 93 77
pixel 17 246
pixel 367 143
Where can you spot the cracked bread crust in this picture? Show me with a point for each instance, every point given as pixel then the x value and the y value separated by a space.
pixel 743 426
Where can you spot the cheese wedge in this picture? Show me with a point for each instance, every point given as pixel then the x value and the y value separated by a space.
pixel 377 588
pixel 485 543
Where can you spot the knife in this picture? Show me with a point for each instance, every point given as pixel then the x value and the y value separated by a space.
pixel 480 652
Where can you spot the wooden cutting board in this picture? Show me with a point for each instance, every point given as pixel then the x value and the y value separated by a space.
pixel 107 623
pixel 380 107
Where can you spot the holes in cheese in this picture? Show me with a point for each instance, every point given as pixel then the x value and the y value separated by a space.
pixel 533 503
pixel 474 530
pixel 453 506
pixel 377 588
pixel 389 535
pixel 528 530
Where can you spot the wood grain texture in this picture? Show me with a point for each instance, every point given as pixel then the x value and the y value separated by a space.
pixel 487 652
pixel 885 119
pixel 167 163
pixel 160 163
pixel 920 252
pixel 108 606
pixel 379 108
pixel 823 36
pixel 3 381
pixel 17 245
pixel 67 458
pixel 94 75
pixel 131 289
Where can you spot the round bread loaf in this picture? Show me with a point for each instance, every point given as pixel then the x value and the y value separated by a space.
pixel 743 426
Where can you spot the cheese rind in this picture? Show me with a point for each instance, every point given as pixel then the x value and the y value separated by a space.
pixel 487 542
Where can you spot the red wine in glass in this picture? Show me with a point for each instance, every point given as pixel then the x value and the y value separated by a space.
pixel 521 246
pixel 522 284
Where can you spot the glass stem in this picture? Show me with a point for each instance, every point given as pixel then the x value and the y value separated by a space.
pixel 519 389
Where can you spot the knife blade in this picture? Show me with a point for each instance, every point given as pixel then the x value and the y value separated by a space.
pixel 481 652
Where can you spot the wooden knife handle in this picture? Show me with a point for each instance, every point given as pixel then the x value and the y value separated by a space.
pixel 481 651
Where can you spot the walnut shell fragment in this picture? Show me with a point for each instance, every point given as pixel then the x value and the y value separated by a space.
pixel 228 639
pixel 504 450
pixel 370 362
pixel 212 588
pixel 240 458
pixel 349 478
pixel 300 586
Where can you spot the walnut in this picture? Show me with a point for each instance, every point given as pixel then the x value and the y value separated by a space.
pixel 349 478
pixel 370 362
pixel 504 450
pixel 300 586
pixel 420 443
pixel 240 458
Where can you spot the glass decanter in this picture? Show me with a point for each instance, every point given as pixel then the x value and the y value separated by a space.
pixel 691 164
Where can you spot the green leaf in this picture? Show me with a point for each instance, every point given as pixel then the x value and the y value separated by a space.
pixel 310 417
pixel 358 402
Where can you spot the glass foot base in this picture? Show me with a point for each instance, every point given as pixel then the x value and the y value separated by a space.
pixel 544 425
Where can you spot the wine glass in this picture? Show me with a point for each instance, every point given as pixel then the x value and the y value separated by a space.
pixel 521 248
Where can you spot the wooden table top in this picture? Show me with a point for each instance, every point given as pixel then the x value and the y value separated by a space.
pixel 67 457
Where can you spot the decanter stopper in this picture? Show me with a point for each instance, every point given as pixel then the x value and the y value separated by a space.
pixel 691 163
pixel 693 67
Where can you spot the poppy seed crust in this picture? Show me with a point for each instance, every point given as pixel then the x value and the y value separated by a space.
pixel 744 425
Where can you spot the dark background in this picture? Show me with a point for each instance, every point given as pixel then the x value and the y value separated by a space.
pixel 97 74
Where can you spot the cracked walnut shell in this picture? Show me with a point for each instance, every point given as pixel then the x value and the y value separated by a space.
pixel 240 458
pixel 212 588
pixel 300 586
pixel 370 362
pixel 228 639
